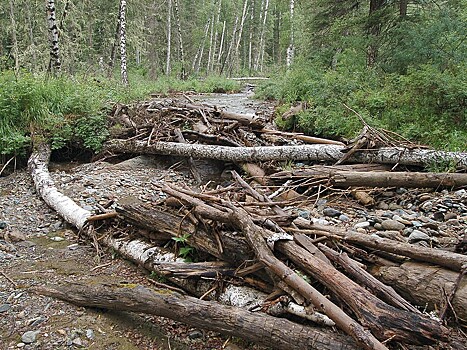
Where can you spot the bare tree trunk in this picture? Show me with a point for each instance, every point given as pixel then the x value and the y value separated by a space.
pixel 180 39
pixel 211 38
pixel 395 155
pixel 169 36
pixel 236 58
pixel 216 37
pixel 250 39
pixel 262 41
pixel 55 64
pixel 13 37
pixel 123 66
pixel 114 45
pixel 199 53
pixel 291 48
pixel 221 45
pixel 256 327
pixel 229 51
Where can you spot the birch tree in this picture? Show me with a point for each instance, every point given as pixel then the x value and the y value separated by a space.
pixel 169 37
pixel 180 39
pixel 291 48
pixel 55 64
pixel 123 66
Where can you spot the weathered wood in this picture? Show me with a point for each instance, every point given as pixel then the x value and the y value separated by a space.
pixel 256 327
pixel 384 292
pixel 302 137
pixel 339 178
pixel 385 321
pixel 332 153
pixel 440 257
pixel 254 235
pixel 167 225
pixel 64 206
pixel 425 285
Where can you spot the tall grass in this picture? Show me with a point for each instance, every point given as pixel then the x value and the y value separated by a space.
pixel 70 109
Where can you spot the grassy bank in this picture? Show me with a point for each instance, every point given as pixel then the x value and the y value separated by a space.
pixel 73 110
pixel 425 105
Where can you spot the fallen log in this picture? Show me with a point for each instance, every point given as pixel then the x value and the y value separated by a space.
pixel 339 178
pixel 254 235
pixel 440 257
pixel 38 167
pixel 426 285
pixel 331 153
pixel 256 327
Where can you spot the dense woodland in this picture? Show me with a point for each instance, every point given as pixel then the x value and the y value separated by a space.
pixel 399 64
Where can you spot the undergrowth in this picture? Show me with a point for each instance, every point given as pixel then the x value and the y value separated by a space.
pixel 425 105
pixel 71 110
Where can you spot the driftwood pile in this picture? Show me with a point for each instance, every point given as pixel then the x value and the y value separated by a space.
pixel 253 250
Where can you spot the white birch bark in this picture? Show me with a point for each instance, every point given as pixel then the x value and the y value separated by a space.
pixel 250 39
pixel 262 42
pixel 330 153
pixel 236 57
pixel 180 38
pixel 199 53
pixel 123 59
pixel 211 38
pixel 169 36
pixel 229 51
pixel 64 206
pixel 291 48
pixel 13 36
pixel 216 36
pixel 55 64
pixel 221 45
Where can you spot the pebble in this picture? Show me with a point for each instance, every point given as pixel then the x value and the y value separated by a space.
pixel 3 225
pixel 394 206
pixel 382 205
pixel 20 345
pixel 394 235
pixel 427 206
pixel 401 220
pixel 303 213
pixel 453 222
pixel 331 212
pixel 29 337
pixel 344 218
pixel 57 239
pixel 378 226
pixel 449 216
pixel 392 225
pixel 90 334
pixel 5 307
pixel 77 342
pixel 417 235
pixel 363 224
pixel 195 335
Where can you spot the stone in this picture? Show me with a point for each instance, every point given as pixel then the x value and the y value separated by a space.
pixel 378 226
pixel 394 235
pixel 57 239
pixel 382 206
pixel 29 337
pixel 320 221
pixel 90 334
pixel 427 206
pixel 453 222
pixel 344 218
pixel 3 225
pixel 304 213
pixel 77 342
pixel 20 345
pixel 5 307
pixel 392 225
pixel 394 206
pixel 331 212
pixel 401 220
pixel 460 193
pixel 449 216
pixel 363 224
pixel 438 216
pixel 195 335
pixel 417 235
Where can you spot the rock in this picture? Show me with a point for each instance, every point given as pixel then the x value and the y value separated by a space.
pixel 378 226
pixel 383 206
pixel 438 216
pixel 416 223
pixel 424 197
pixel 320 221
pixel 15 236
pixel 344 218
pixel 401 190
pixel 29 337
pixel 57 239
pixel 460 193
pixel 5 307
pixel 195 335
pixel 3 225
pixel 401 220
pixel 449 216
pixel 331 212
pixel 20 345
pixel 304 213
pixel 363 224
pixel 427 206
pixel 77 342
pixel 453 222
pixel 392 225
pixel 90 334
pixel 417 235
pixel 394 206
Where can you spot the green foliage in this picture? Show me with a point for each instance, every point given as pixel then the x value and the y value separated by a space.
pixel 184 250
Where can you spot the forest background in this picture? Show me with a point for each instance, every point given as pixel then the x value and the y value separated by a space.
pixel 400 64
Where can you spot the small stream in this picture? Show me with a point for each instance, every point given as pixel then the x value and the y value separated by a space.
pixel 242 102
